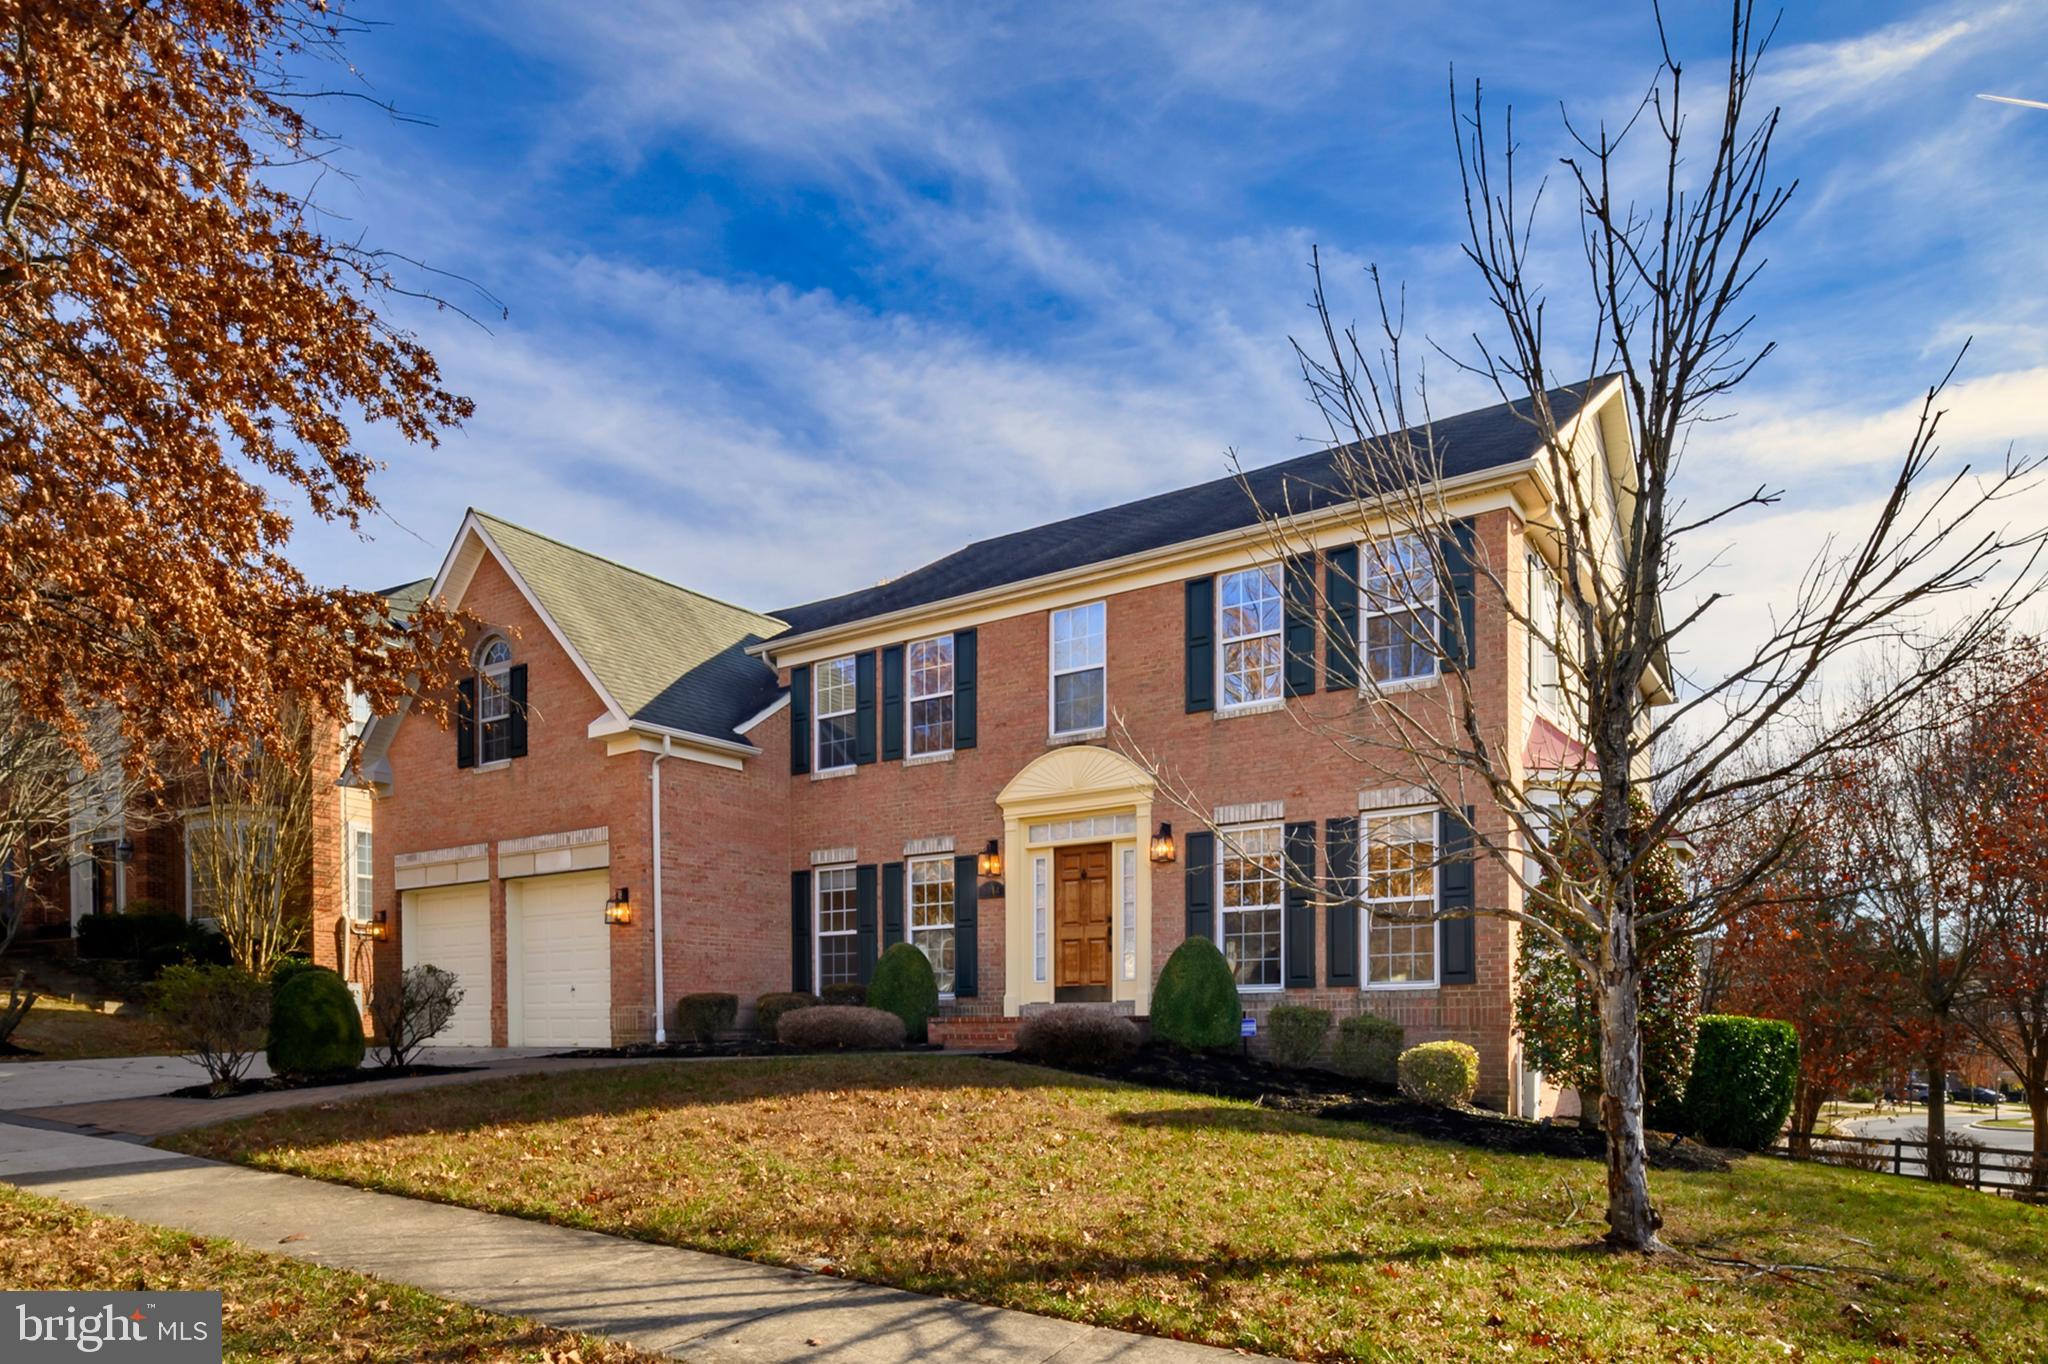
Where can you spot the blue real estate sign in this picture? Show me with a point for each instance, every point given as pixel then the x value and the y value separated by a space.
pixel 117 1328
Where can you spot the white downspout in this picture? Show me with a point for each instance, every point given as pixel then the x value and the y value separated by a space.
pixel 654 785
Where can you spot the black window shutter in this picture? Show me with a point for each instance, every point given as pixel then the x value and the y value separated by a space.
pixel 966 645
pixel 1298 913
pixel 966 926
pixel 799 721
pixel 515 687
pixel 892 904
pixel 892 703
pixel 1201 894
pixel 1455 891
pixel 864 707
pixel 800 930
pixel 1340 623
pixel 1201 644
pixel 1340 931
pixel 864 919
pixel 465 722
pixel 1298 599
pixel 1456 627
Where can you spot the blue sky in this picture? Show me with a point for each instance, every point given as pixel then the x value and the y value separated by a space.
pixel 802 295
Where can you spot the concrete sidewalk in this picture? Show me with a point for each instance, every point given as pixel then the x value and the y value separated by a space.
pixel 664 1300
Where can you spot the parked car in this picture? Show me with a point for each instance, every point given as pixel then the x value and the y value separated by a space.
pixel 1977 1094
pixel 1916 1094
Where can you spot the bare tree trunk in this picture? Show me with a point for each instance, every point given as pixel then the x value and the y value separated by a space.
pixel 1632 1220
pixel 1937 1108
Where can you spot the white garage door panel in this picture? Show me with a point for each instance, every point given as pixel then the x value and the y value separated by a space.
pixel 451 929
pixel 564 961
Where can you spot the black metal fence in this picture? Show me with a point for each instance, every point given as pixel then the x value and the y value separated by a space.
pixel 1972 1164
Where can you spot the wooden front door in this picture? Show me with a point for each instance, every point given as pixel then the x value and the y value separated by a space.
pixel 1081 921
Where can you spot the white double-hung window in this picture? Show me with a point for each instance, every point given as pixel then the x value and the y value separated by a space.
pixel 362 873
pixel 1253 880
pixel 832 682
pixel 1079 694
pixel 1248 620
pixel 1400 610
pixel 928 695
pixel 838 926
pixel 1546 635
pixel 1399 892
pixel 931 915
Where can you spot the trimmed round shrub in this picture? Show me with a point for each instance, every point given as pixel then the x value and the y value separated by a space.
pixel 701 1017
pixel 1743 1074
pixel 769 1008
pixel 1195 1004
pixel 1368 1047
pixel 315 1027
pixel 850 993
pixel 903 984
pixel 1443 1073
pixel 1296 1033
pixel 284 968
pixel 1076 1035
pixel 840 1027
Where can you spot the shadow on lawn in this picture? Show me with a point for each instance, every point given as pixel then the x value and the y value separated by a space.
pixel 616 1092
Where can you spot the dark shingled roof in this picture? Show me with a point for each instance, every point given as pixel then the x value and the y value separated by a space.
pixel 1466 443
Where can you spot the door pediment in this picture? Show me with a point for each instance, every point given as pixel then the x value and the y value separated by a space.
pixel 1079 777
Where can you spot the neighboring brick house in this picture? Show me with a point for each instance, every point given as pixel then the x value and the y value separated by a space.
pixel 778 797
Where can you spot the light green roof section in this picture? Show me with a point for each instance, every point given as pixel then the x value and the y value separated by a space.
pixel 405 598
pixel 667 655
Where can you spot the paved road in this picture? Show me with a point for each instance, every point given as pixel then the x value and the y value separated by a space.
pixel 1913 1127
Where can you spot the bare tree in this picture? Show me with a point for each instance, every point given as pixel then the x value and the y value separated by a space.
pixel 45 786
pixel 1585 585
pixel 252 845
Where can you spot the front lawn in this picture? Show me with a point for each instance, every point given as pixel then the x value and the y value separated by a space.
pixel 58 1030
pixel 1195 1217
pixel 272 1308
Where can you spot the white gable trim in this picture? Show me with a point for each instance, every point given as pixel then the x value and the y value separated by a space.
pixel 458 570
pixel 747 726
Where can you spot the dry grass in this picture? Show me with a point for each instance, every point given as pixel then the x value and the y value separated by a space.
pixel 1193 1217
pixel 273 1308
pixel 58 1030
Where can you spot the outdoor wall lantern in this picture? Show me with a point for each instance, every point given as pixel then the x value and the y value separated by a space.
pixel 377 929
pixel 124 851
pixel 991 863
pixel 1163 850
pixel 619 909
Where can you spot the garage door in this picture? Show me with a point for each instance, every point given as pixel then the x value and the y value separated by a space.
pixel 562 961
pixel 451 928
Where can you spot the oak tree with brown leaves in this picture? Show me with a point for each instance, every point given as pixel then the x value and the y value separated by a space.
pixel 175 331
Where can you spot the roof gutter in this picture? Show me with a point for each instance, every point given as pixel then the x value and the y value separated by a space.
pixel 1499 473
pixel 605 726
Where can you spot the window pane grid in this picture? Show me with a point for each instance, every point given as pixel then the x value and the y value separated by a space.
pixel 1253 884
pixel 930 695
pixel 1400 606
pixel 1078 670
pixel 1248 625
pixel 838 927
pixel 931 916
pixel 1400 896
pixel 833 683
pixel 365 873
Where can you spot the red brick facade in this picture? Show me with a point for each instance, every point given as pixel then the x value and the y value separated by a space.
pixel 735 829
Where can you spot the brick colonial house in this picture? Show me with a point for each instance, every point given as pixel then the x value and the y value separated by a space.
pixel 778 797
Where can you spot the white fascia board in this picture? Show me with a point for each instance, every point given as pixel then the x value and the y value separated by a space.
pixel 747 726
pixel 610 726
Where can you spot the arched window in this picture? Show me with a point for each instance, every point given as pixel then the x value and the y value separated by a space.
pixel 493 701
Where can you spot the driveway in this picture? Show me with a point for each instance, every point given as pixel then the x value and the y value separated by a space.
pixel 51 1084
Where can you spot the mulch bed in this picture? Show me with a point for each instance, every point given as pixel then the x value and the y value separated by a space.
pixel 275 1084
pixel 1341 1098
pixel 685 1051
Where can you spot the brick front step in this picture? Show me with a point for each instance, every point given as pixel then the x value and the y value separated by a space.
pixel 975 1033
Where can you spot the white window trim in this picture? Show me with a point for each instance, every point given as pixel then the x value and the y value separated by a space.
pixel 818 716
pixel 1278 700
pixel 1053 673
pixel 818 933
pixel 952 690
pixel 1367 684
pixel 497 677
pixel 1542 576
pixel 1436 944
pixel 945 862
pixel 1223 835
pixel 356 913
